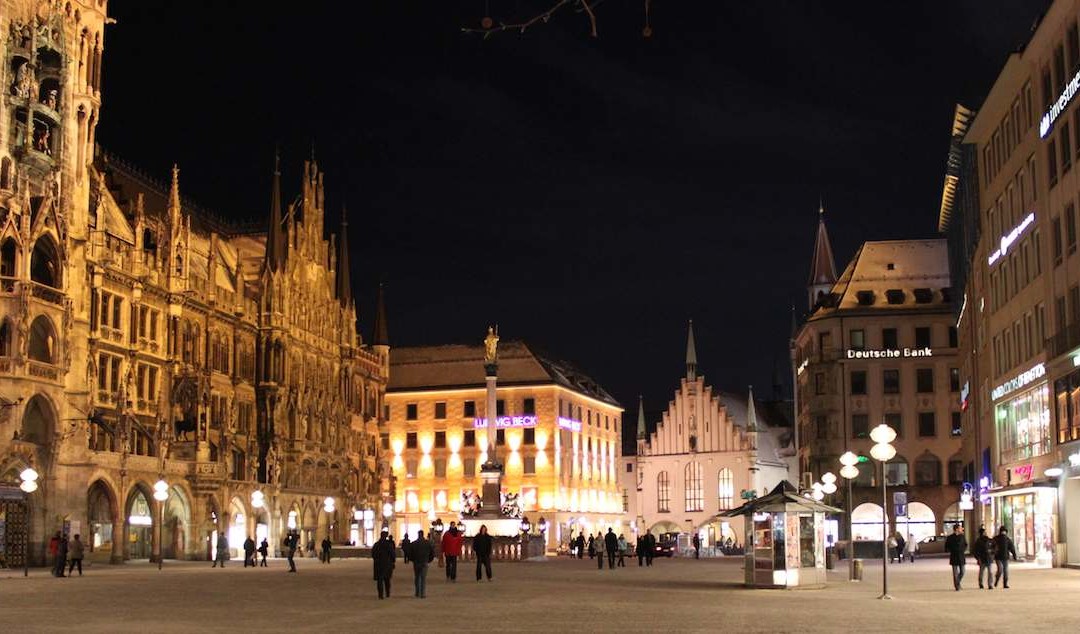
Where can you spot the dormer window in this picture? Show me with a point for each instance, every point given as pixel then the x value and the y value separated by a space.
pixel 924 295
pixel 894 296
pixel 865 298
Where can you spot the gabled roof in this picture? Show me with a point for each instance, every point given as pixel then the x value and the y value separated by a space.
pixel 822 265
pixel 462 366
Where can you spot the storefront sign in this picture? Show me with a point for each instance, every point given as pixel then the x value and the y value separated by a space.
pixel 1047 122
pixel 1011 237
pixel 1019 381
pixel 503 422
pixel 895 353
pixel 1023 473
pixel 1074 459
pixel 966 503
pixel 568 424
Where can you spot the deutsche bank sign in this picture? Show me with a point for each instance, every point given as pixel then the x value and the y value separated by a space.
pixel 897 353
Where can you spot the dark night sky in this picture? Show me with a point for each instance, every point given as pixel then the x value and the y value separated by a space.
pixel 589 195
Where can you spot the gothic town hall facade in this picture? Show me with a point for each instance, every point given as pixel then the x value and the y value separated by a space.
pixel 145 340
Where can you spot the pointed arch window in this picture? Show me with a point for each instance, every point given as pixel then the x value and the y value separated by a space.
pixel 663 492
pixel 725 489
pixel 695 494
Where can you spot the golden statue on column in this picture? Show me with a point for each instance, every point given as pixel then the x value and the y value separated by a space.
pixel 491 345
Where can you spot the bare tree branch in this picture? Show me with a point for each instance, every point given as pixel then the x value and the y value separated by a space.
pixel 487 27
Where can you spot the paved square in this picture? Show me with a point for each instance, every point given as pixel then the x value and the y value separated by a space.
pixel 555 596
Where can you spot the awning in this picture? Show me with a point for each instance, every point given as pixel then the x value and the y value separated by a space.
pixel 1021 489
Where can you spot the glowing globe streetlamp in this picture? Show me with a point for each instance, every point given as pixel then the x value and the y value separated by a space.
pixel 161 494
pixel 849 472
pixel 883 452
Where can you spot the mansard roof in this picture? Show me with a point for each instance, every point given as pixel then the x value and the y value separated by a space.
pixel 462 366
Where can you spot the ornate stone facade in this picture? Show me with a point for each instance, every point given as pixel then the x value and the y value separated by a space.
pixel 142 339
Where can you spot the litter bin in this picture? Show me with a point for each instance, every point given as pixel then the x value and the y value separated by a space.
pixel 830 558
pixel 856 570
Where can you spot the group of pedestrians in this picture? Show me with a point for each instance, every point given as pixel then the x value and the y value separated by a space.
pixel 986 550
pixel 614 548
pixel 421 552
pixel 66 555
pixel 250 550
pixel 900 548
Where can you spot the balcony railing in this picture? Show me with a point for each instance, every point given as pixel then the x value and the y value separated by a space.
pixel 1064 340
pixel 47 293
pixel 44 370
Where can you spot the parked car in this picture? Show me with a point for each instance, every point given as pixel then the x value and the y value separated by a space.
pixel 933 545
pixel 665 548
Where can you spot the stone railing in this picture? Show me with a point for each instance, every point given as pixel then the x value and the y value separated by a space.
pixel 509 549
pixel 43 370
pixel 7 285
pixel 47 294
pixel 6 366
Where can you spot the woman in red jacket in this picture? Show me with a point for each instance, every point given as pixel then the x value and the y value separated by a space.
pixel 451 548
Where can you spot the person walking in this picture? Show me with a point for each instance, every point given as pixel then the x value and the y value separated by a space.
pixel 892 548
pixel 956 546
pixel 611 545
pixel 600 546
pixel 697 546
pixel 909 547
pixel 623 547
pixel 249 552
pixel 1003 547
pixel 579 544
pixel 383 556
pixel 405 548
pixel 451 549
pixel 292 540
pixel 326 546
pixel 983 549
pixel 61 556
pixel 264 550
pixel 592 546
pixel 901 543
pixel 482 545
pixel 640 549
pixel 421 553
pixel 54 551
pixel 650 547
pixel 222 554
pixel 75 554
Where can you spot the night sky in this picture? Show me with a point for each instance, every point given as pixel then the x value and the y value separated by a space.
pixel 588 195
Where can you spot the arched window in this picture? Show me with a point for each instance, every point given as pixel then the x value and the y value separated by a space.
pixel 663 492
pixel 38 421
pixel 6 336
pixel 695 493
pixel 7 258
pixel 45 263
pixel 927 470
pixel 42 344
pixel 725 489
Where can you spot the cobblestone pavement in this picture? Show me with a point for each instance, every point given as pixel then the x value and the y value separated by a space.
pixel 555 596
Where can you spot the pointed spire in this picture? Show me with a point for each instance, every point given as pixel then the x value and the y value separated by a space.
pixel 275 239
pixel 379 336
pixel 751 412
pixel 691 354
pixel 174 197
pixel 822 265
pixel 344 286
pixel 641 418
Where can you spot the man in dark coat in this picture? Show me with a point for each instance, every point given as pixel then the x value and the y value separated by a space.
pixel 264 550
pixel 1003 547
pixel 421 553
pixel 249 552
pixel 579 544
pixel 611 545
pixel 640 548
pixel 983 550
pixel 649 542
pixel 956 546
pixel 482 546
pixel 697 546
pixel 61 556
pixel 292 540
pixel 383 556
pixel 405 548
pixel 326 545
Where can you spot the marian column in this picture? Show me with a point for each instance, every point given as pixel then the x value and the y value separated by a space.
pixel 491 470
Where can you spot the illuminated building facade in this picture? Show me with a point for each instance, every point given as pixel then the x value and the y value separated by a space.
pixel 880 346
pixel 141 338
pixel 558 434
pixel 1010 208
pixel 709 453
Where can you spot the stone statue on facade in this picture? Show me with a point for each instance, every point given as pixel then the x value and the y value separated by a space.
pixel 23 86
pixel 273 471
pixel 491 345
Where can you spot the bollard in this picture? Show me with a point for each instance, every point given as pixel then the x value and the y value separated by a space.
pixel 857 570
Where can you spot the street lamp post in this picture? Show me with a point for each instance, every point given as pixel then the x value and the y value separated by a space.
pixel 849 472
pixel 28 485
pixel 883 452
pixel 161 494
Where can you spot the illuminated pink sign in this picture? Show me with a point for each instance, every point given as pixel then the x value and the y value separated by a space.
pixel 1024 472
pixel 569 424
pixel 503 422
